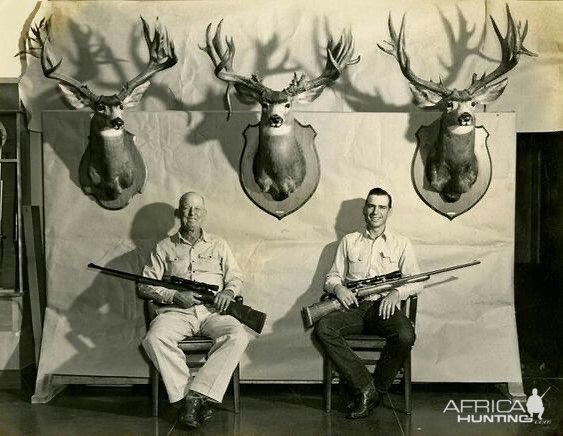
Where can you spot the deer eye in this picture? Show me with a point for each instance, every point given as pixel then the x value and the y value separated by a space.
pixel 99 107
pixel 287 105
pixel 121 106
pixel 450 104
pixel 473 103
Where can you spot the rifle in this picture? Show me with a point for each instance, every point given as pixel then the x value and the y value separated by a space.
pixel 365 287
pixel 245 314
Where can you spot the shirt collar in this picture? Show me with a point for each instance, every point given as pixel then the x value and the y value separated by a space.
pixel 203 237
pixel 383 236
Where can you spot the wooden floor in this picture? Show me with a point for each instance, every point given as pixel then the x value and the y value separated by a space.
pixel 269 410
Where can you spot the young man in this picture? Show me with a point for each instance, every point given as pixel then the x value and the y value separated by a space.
pixel 194 254
pixel 361 255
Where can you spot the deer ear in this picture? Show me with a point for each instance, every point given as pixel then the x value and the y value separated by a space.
pixel 310 95
pixel 135 96
pixel 424 97
pixel 74 97
pixel 490 93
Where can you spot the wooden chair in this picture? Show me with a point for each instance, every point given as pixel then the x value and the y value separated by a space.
pixel 369 343
pixel 194 346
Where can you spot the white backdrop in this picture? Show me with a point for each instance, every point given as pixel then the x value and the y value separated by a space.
pixel 466 327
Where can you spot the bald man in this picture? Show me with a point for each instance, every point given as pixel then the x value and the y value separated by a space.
pixel 194 254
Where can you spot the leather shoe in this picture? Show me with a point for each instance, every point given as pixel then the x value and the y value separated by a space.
pixel 205 412
pixel 191 411
pixel 367 400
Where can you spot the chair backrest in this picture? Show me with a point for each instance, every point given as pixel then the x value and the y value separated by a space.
pixel 409 307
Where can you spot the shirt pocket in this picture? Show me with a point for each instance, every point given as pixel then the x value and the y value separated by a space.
pixel 176 266
pixel 389 264
pixel 207 262
pixel 357 265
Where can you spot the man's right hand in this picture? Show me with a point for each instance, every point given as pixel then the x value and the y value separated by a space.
pixel 186 299
pixel 346 297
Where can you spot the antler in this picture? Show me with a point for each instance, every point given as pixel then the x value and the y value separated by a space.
pixel 396 48
pixel 161 57
pixel 40 46
pixel 339 56
pixel 511 49
pixel 221 54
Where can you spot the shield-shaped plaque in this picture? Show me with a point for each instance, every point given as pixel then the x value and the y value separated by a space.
pixel 305 136
pixel 427 138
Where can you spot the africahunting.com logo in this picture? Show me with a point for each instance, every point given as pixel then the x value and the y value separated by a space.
pixel 500 411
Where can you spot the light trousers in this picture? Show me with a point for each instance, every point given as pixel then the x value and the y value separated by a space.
pixel 171 326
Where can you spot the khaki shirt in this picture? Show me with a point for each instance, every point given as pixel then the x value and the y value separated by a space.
pixel 208 260
pixel 360 256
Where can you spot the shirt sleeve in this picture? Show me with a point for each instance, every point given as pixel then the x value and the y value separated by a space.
pixel 155 269
pixel 233 277
pixel 409 266
pixel 337 273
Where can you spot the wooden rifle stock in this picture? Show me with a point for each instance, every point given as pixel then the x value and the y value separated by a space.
pixel 312 313
pixel 245 314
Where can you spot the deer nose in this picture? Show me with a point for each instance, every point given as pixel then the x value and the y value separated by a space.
pixel 465 118
pixel 276 120
pixel 116 123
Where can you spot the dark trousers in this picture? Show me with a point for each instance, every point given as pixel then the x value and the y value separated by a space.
pixel 397 330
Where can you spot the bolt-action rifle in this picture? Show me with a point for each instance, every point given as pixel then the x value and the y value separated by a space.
pixel 365 287
pixel 245 314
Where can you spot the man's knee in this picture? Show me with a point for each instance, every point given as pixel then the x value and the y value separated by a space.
pixel 238 335
pixel 406 336
pixel 153 340
pixel 324 329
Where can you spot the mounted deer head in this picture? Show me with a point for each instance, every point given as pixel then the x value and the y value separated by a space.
pixel 112 169
pixel 279 164
pixel 451 167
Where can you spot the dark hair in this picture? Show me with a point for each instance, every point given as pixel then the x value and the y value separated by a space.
pixel 380 191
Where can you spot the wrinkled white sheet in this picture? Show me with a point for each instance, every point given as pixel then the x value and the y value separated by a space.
pixel 466 328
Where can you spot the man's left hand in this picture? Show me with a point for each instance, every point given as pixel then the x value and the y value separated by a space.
pixel 223 299
pixel 389 304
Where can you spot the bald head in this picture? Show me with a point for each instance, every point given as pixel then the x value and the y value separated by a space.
pixel 188 197
pixel 191 211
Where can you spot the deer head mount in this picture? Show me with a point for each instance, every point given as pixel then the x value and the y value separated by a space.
pixel 111 169
pixel 451 166
pixel 279 165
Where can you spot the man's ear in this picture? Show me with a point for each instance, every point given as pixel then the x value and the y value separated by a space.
pixel 424 97
pixel 490 93
pixel 74 97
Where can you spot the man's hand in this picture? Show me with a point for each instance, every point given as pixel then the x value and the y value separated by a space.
pixel 346 297
pixel 389 304
pixel 186 299
pixel 223 299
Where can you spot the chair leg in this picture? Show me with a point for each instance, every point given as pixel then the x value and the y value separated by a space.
pixel 327 381
pixel 236 388
pixel 408 385
pixel 155 380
